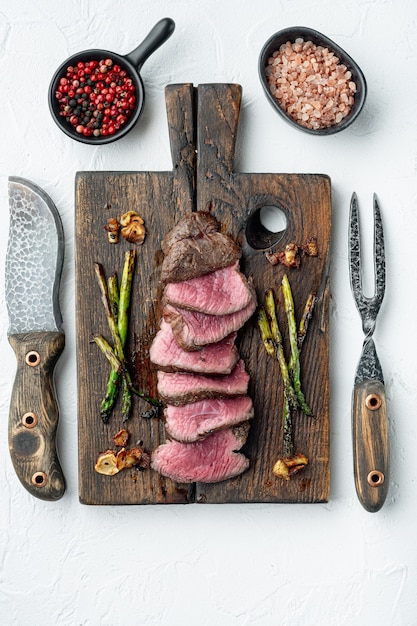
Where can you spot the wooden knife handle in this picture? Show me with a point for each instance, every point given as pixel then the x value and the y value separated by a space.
pixel 370 444
pixel 33 416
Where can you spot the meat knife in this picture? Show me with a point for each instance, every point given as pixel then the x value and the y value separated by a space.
pixel 34 259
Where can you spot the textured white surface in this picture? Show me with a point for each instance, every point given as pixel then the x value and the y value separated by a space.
pixel 258 565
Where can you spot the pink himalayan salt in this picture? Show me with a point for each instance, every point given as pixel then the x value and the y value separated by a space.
pixel 310 84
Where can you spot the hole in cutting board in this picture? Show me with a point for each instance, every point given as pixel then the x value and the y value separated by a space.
pixel 266 226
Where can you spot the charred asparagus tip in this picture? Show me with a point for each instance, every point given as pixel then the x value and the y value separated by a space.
pixel 266 334
pixel 305 319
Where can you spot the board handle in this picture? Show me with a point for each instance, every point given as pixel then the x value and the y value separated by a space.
pixel 370 444
pixel 180 105
pixel 33 416
pixel 218 120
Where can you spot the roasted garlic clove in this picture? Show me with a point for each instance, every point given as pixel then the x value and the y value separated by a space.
pixel 310 247
pixel 112 228
pixel 107 463
pixel 281 470
pixel 287 466
pixel 128 216
pixel 121 438
pixel 133 229
pixel 133 457
pixel 139 457
pixel 121 459
pixel 290 257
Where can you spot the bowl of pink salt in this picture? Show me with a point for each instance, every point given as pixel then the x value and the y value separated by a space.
pixel 310 81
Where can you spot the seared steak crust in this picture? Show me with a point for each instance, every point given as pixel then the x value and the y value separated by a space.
pixel 195 247
pixel 192 226
pixel 189 258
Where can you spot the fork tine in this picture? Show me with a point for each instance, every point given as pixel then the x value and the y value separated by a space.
pixel 379 254
pixel 367 307
pixel 355 251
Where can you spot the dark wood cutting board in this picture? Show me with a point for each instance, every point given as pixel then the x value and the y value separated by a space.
pixel 203 126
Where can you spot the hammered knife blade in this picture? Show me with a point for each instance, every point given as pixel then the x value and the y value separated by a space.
pixel 34 260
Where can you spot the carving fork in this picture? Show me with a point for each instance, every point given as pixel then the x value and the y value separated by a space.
pixel 369 414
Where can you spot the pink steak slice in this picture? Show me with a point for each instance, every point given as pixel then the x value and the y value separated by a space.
pixel 221 292
pixel 211 460
pixel 195 421
pixel 182 388
pixel 216 358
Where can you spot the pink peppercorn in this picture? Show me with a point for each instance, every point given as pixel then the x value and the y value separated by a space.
pixel 96 97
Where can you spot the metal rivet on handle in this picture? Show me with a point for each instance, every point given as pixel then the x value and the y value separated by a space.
pixel 375 478
pixel 32 358
pixel 373 401
pixel 39 479
pixel 29 420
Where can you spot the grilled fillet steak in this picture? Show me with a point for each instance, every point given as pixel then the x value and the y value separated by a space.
pixel 217 358
pixel 220 292
pixel 182 388
pixel 193 329
pixel 195 247
pixel 191 226
pixel 197 420
pixel 189 258
pixel 211 460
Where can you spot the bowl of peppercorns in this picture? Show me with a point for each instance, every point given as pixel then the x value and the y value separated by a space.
pixel 97 96
pixel 310 81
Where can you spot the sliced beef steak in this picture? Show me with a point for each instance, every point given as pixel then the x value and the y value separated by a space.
pixel 211 460
pixel 216 358
pixel 181 388
pixel 221 292
pixel 201 378
pixel 195 421
pixel 193 329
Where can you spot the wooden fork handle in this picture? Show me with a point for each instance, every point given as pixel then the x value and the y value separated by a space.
pixel 370 444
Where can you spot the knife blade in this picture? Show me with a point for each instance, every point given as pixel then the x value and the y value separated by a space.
pixel 34 260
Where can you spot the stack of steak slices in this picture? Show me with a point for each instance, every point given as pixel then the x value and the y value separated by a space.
pixel 201 377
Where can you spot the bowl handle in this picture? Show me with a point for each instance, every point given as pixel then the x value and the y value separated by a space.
pixel 157 36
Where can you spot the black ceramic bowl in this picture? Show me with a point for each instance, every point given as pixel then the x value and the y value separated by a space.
pixel 308 34
pixel 131 63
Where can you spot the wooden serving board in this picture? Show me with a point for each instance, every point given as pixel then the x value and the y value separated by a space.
pixel 203 125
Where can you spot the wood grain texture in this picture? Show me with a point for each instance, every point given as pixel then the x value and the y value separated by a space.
pixel 34 415
pixel 206 183
pixel 370 444
pixel 305 199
